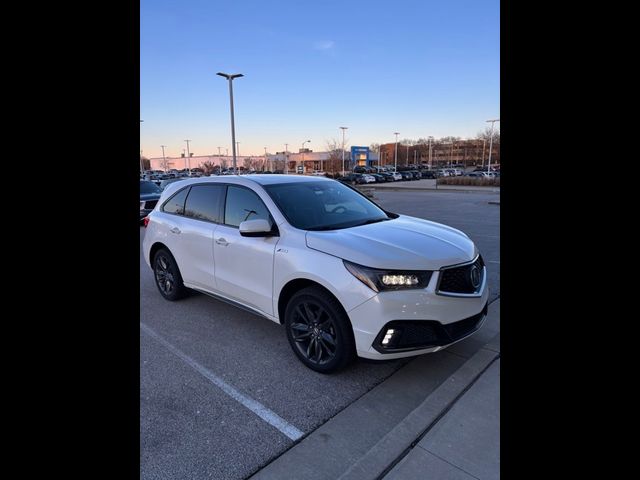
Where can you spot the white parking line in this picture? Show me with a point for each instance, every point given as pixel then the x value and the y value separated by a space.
pixel 493 261
pixel 256 407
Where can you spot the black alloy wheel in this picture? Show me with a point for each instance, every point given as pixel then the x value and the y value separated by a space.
pixel 167 275
pixel 319 331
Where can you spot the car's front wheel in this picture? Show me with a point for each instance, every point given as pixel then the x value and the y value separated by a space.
pixel 167 276
pixel 319 330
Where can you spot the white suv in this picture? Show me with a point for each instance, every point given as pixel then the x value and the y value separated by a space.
pixel 343 275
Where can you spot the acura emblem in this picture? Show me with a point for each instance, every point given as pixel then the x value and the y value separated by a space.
pixel 474 276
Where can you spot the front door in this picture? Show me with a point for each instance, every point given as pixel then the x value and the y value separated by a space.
pixel 244 265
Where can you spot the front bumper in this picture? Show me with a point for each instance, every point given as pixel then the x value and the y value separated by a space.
pixel 370 319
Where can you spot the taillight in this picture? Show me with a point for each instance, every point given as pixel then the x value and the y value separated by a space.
pixel 146 221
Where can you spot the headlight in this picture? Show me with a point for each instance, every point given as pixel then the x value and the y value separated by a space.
pixel 141 205
pixel 381 280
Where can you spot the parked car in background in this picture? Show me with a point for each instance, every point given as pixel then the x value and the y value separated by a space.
pixel 149 195
pixel 168 181
pixel 428 174
pixel 368 178
pixel 352 178
pixel 344 277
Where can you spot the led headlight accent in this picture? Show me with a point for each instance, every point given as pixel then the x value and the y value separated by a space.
pixel 381 280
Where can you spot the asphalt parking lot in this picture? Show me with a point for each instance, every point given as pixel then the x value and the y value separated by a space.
pixel 212 376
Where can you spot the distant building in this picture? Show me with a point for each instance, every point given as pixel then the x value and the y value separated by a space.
pixel 465 152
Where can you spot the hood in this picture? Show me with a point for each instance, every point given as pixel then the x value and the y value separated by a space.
pixel 403 243
pixel 149 196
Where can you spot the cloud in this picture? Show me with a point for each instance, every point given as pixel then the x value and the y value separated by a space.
pixel 324 45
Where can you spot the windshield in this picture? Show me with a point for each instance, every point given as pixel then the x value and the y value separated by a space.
pixel 323 205
pixel 149 187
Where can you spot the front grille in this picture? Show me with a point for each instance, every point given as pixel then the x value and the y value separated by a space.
pixel 458 279
pixel 150 204
pixel 419 334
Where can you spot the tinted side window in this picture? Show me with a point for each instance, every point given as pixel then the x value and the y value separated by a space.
pixel 203 202
pixel 176 203
pixel 242 204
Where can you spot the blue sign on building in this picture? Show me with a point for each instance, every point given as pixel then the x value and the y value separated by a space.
pixel 360 156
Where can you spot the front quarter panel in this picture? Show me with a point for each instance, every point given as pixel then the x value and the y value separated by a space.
pixel 294 260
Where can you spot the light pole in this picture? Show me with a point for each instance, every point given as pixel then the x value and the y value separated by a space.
pixel 164 159
pixel 219 150
pixel 265 158
pixel 141 165
pixel 238 149
pixel 306 141
pixel 451 154
pixel 430 138
pixel 343 129
pixel 230 77
pixel 188 159
pixel 491 142
pixel 380 163
pixel 407 154
pixel 286 158
pixel 484 144
pixel 395 162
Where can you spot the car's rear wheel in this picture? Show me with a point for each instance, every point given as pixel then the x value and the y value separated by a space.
pixel 167 276
pixel 319 330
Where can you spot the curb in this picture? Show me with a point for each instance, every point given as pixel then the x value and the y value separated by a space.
pixel 391 448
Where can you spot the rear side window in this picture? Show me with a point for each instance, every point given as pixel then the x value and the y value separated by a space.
pixel 204 203
pixel 176 203
pixel 243 204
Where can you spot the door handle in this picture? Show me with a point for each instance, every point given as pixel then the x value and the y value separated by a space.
pixel 222 241
pixel 175 230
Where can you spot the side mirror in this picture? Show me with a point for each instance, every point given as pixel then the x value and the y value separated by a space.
pixel 256 228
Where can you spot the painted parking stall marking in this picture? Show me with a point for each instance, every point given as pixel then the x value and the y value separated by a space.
pixel 254 406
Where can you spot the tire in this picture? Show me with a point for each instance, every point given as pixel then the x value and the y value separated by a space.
pixel 167 276
pixel 319 330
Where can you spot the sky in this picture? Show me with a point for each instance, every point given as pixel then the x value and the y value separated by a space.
pixel 419 68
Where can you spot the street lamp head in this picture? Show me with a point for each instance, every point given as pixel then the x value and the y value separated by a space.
pixel 495 120
pixel 230 76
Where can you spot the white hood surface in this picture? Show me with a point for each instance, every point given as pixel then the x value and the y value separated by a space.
pixel 405 243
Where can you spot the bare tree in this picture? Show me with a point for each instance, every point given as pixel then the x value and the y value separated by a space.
pixel 334 163
pixel 146 163
pixel 224 163
pixel 208 167
pixel 247 163
pixel 486 135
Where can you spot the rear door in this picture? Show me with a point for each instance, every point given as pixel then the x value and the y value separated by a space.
pixel 244 265
pixel 202 214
